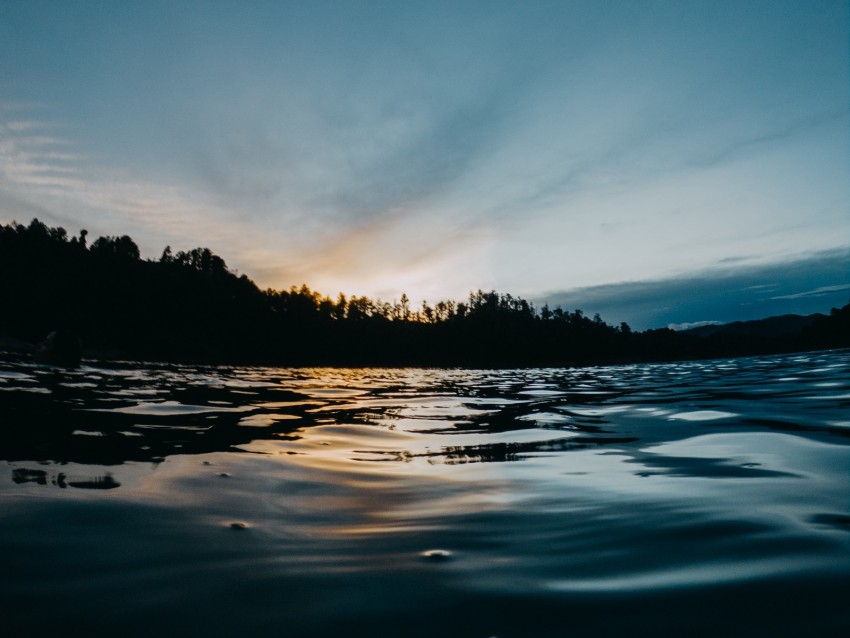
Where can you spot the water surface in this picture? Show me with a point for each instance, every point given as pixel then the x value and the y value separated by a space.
pixel 692 498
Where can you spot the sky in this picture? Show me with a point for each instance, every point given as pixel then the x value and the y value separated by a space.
pixel 659 162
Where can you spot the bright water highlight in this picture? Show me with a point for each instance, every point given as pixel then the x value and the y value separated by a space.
pixel 697 498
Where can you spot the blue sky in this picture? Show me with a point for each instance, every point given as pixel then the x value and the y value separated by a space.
pixel 582 152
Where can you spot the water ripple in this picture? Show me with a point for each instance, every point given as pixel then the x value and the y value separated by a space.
pixel 505 498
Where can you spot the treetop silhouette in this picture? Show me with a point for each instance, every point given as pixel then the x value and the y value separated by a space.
pixel 191 306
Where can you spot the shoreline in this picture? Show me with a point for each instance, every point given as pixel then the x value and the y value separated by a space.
pixel 20 348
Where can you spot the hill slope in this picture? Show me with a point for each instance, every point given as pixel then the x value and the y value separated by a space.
pixel 771 327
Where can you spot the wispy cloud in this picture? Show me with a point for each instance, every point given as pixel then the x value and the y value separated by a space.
pixel 763 287
pixel 751 144
pixel 20 126
pixel 817 292
pixel 693 324
pixel 41 175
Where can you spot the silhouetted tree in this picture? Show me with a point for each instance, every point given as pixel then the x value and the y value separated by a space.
pixel 190 306
pixel 119 247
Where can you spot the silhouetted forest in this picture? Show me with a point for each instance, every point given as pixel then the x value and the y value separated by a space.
pixel 188 306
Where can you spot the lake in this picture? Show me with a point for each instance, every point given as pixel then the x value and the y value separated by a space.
pixel 698 498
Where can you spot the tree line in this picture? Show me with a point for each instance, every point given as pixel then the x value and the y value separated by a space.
pixel 189 306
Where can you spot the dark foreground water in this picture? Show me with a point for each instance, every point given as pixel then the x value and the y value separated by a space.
pixel 702 498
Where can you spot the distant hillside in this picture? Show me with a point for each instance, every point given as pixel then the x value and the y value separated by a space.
pixel 770 328
pixel 784 333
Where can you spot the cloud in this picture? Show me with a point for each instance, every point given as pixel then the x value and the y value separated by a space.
pixel 342 152
pixel 42 176
pixel 693 324
pixel 19 126
pixel 66 188
pixel 751 144
pixel 437 148
pixel 434 247
pixel 817 292
pixel 723 295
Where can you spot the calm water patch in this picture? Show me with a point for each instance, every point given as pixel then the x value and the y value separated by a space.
pixel 694 498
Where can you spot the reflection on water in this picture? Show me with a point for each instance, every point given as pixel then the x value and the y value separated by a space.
pixel 647 499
